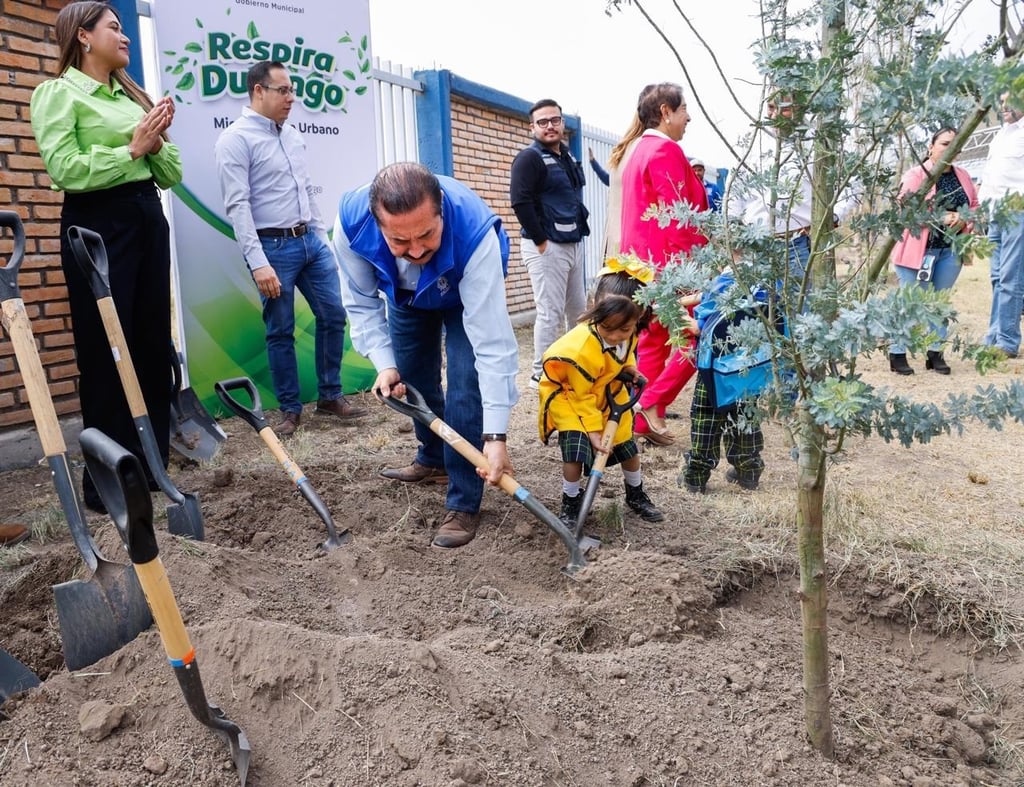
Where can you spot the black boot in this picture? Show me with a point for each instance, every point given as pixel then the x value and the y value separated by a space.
pixel 898 364
pixel 637 499
pixel 937 363
pixel 570 509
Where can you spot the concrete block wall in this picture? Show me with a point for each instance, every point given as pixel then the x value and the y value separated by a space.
pixel 27 57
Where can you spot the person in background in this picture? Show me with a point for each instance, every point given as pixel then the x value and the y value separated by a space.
pixel 601 172
pixel 268 196
pixel 1002 177
pixel 578 368
pixel 658 174
pixel 787 216
pixel 713 190
pixel 951 193
pixel 546 192
pixel 104 144
pixel 616 162
pixel 437 252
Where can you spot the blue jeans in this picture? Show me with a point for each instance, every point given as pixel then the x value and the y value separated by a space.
pixel 306 263
pixel 1007 274
pixel 416 336
pixel 945 271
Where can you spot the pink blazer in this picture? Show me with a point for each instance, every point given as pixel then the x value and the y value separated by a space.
pixel 909 251
pixel 658 173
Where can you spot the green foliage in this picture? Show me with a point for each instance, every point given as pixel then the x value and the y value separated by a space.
pixel 870 106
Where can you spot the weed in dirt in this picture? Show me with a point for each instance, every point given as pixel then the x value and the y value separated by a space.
pixel 190 547
pixel 49 524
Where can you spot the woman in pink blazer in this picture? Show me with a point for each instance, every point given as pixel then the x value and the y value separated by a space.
pixel 658 174
pixel 929 259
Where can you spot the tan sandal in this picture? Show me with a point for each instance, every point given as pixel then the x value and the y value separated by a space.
pixel 644 428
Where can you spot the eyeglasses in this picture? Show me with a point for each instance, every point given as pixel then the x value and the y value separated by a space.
pixel 554 122
pixel 284 91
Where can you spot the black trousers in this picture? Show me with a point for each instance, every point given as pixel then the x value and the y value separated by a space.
pixel 131 222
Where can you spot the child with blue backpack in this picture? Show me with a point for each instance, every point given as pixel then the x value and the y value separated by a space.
pixel 725 376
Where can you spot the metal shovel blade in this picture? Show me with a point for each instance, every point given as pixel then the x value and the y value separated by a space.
pixel 195 434
pixel 14 677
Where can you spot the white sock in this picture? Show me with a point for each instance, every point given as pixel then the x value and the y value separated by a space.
pixel 571 488
pixel 633 477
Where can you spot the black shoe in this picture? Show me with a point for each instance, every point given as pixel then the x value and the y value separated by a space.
pixel 570 510
pixel 733 477
pixel 898 363
pixel 697 489
pixel 937 363
pixel 637 499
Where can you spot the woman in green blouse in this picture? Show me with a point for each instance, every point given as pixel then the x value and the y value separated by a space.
pixel 104 144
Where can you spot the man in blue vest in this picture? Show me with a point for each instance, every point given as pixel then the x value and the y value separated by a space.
pixel 546 192
pixel 439 255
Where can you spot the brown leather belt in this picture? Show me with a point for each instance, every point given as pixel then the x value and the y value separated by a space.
pixel 288 232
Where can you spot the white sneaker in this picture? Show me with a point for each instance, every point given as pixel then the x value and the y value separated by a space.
pixel 535 382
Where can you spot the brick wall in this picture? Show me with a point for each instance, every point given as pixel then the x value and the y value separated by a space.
pixel 484 142
pixel 27 57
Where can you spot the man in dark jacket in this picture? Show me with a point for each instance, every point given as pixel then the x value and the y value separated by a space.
pixel 546 191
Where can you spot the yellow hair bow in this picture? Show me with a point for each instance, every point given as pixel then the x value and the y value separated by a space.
pixel 640 271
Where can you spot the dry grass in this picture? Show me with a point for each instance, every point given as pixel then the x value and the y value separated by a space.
pixel 941 523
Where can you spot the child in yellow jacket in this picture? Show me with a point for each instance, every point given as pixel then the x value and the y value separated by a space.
pixel 577 369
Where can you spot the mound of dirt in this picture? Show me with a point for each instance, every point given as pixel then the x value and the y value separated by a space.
pixel 387 662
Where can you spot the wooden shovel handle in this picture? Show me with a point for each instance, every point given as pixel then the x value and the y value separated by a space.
pixel 122 357
pixel 157 587
pixel 17 323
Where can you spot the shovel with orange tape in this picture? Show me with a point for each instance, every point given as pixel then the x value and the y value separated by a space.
pixel 121 483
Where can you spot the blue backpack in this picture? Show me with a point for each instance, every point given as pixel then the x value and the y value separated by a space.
pixel 732 373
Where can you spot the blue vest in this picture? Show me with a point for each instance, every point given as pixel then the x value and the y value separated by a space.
pixel 467 219
pixel 560 201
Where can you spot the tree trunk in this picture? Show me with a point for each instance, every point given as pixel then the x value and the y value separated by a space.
pixel 813 582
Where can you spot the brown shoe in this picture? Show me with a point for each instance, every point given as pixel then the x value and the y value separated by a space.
pixel 457 530
pixel 416 474
pixel 340 408
pixel 289 423
pixel 13 534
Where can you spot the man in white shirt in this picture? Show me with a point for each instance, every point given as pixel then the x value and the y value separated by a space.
pixel 789 219
pixel 261 162
pixel 1003 177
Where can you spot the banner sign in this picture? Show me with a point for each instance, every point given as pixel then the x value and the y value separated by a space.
pixel 204 52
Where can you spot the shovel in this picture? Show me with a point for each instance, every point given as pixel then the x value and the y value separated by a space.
pixel 415 407
pixel 194 432
pixel 615 412
pixel 98 616
pixel 14 677
pixel 183 517
pixel 255 418
pixel 121 483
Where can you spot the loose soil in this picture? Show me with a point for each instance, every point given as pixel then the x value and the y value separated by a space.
pixel 674 658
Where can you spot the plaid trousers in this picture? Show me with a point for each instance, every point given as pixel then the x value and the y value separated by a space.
pixel 709 429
